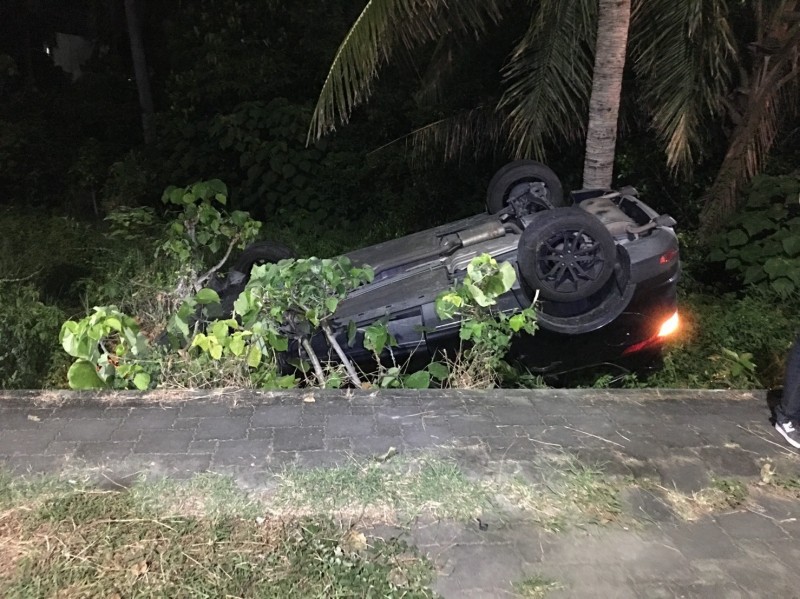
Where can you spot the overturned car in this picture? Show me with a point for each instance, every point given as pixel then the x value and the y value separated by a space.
pixel 602 264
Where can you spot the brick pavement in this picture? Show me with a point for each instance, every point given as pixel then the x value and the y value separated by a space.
pixel 683 439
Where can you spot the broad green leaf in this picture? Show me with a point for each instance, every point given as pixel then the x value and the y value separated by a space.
pixel 783 286
pixel 141 381
pixel 417 380
pixel 236 345
pixel 254 357
pixel 478 295
pixel 516 322
pixel 215 351
pixel 754 274
pixel 219 329
pixel 83 375
pixel 331 303
pixel 756 223
pixel 277 342
pixel 438 371
pixel 737 237
pixel 791 245
pixel 200 340
pixel 207 296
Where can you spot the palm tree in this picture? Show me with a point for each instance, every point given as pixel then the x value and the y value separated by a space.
pixel 609 63
pixel 767 92
pixel 567 66
pixel 140 70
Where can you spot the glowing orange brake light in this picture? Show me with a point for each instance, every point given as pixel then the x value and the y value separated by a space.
pixel 669 326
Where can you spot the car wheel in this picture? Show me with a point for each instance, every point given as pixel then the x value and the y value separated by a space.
pixel 261 252
pixel 566 254
pixel 526 185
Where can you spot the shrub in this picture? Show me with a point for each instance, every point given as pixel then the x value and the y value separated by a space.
pixel 761 245
pixel 28 337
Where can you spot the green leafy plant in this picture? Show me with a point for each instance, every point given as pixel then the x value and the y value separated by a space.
pixel 110 350
pixel 295 298
pixel 762 243
pixel 378 340
pixel 487 331
pixel 28 329
pixel 201 231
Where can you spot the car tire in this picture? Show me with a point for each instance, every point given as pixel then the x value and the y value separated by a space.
pixel 514 179
pixel 566 254
pixel 261 252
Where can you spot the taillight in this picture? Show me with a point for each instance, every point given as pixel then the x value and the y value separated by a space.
pixel 667 256
pixel 669 326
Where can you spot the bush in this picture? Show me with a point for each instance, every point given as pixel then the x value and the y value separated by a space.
pixel 762 243
pixel 730 341
pixel 28 337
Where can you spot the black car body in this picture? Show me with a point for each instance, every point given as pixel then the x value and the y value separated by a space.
pixel 602 265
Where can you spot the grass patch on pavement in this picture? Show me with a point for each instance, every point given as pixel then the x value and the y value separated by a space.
pixel 385 491
pixel 198 539
pixel 569 493
pixel 536 587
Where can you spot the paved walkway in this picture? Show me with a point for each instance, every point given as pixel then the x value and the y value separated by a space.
pixel 684 439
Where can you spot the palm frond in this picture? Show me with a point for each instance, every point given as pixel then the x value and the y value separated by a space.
pixel 548 76
pixel 473 134
pixel 381 27
pixel 682 52
pixel 771 97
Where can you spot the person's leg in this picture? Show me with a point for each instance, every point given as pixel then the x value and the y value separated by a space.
pixel 789 407
pixel 787 413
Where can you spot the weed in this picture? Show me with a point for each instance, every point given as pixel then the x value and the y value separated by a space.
pixel 723 495
pixel 568 493
pixel 399 487
pixel 536 587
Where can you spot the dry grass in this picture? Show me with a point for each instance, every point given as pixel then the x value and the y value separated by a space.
pixel 567 493
pixel 12 546
pixel 84 543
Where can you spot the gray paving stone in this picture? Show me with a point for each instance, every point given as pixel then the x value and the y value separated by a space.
pixel 516 415
pixel 426 437
pixel 102 452
pixel 204 409
pixel 747 525
pixel 177 466
pixel 246 452
pixel 225 428
pixel 685 474
pixel 298 438
pixel 150 418
pixel 480 566
pixel 345 425
pixel 647 505
pixel 703 540
pixel 186 423
pixel 89 430
pixel 375 445
pixel 209 447
pixel 272 416
pixel 322 459
pixel 340 443
pixel 25 419
pixel 164 441
pixel 22 442
pixel 22 465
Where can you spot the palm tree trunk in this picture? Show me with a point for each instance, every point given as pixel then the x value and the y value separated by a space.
pixel 609 63
pixel 140 70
